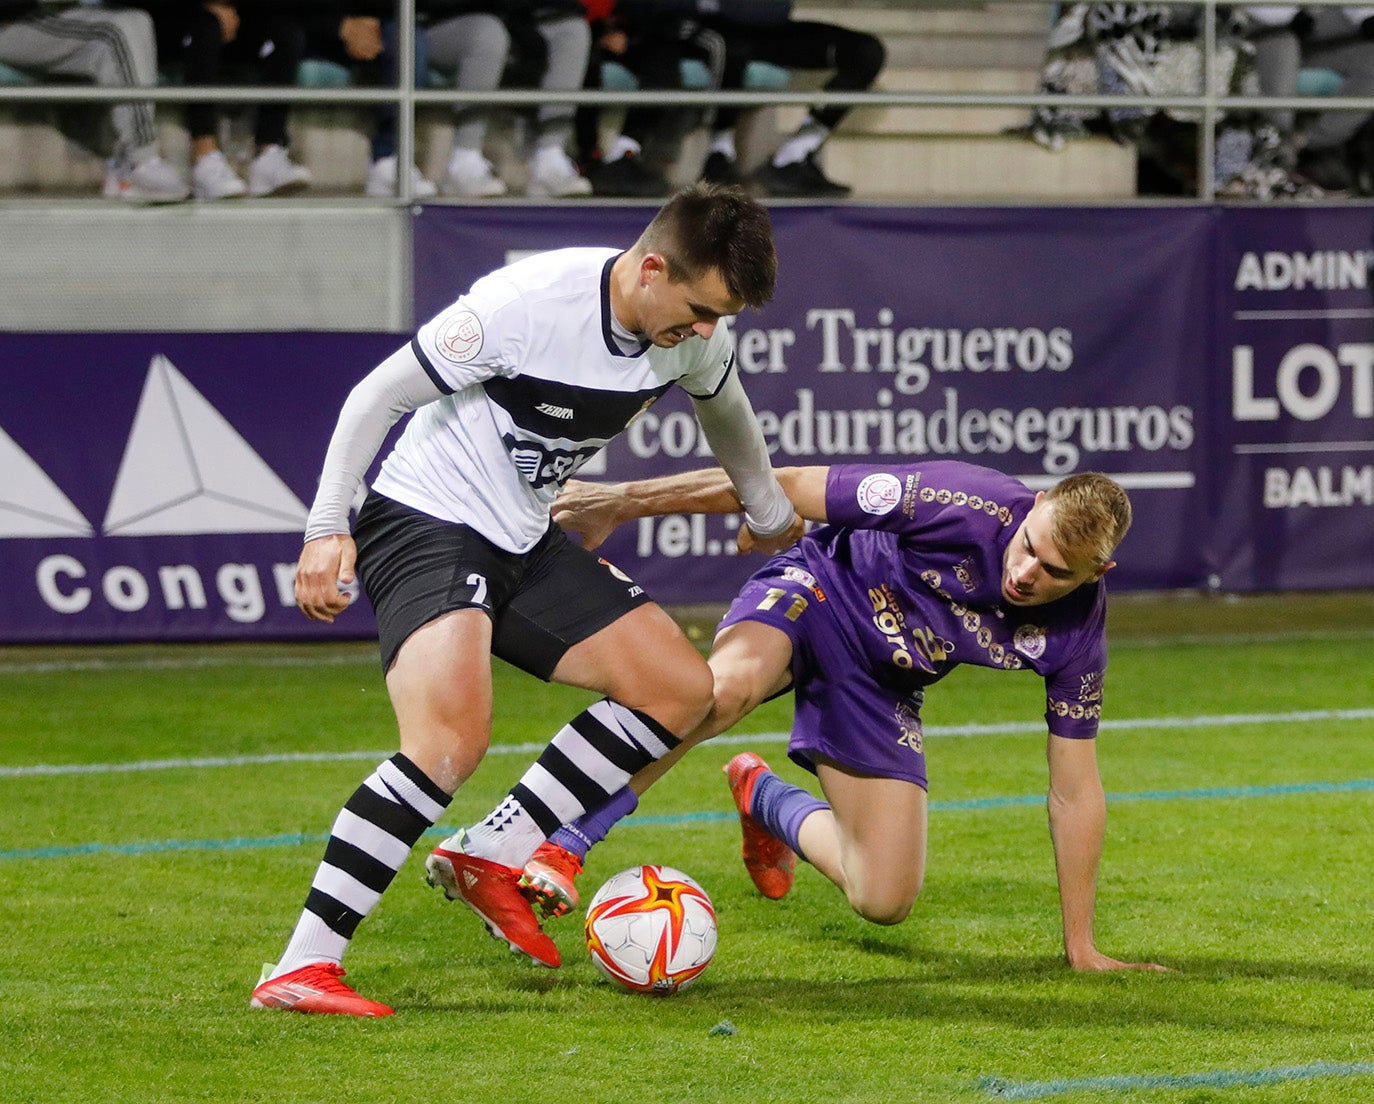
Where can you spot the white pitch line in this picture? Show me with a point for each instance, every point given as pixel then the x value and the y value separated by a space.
pixel 368 658
pixel 185 663
pixel 1014 728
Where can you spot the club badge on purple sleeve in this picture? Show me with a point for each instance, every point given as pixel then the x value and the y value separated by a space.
pixel 879 493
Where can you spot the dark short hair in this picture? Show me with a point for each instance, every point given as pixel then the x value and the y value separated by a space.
pixel 720 227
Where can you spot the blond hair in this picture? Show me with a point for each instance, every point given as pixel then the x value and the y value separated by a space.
pixel 1090 517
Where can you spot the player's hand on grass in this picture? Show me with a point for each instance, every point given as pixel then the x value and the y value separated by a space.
pixel 592 509
pixel 326 564
pixel 1094 960
pixel 749 541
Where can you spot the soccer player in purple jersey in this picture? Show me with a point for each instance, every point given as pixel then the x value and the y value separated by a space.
pixel 919 568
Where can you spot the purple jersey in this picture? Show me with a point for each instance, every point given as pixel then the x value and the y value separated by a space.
pixel 901 587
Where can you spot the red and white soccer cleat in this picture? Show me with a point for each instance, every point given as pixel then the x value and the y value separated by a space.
pixel 314 988
pixel 550 880
pixel 770 862
pixel 493 892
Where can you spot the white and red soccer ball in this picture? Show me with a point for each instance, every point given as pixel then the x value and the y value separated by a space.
pixel 651 929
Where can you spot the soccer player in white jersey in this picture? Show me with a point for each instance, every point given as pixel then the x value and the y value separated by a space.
pixel 514 386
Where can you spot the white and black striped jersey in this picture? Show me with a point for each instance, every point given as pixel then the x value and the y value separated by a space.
pixel 536 376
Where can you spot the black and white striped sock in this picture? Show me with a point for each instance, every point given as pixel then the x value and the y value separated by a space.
pixel 371 838
pixel 594 756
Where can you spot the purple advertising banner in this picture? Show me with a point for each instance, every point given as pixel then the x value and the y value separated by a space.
pixel 1218 362
pixel 156 487
pixel 1294 422
pixel 1037 342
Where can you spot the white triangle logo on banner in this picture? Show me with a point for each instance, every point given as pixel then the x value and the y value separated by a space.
pixel 187 470
pixel 31 504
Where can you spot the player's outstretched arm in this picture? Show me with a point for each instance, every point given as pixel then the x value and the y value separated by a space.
pixel 1078 820
pixel 595 509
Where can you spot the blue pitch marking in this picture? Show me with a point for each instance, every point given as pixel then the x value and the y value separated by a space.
pixel 999 1088
pixel 1361 785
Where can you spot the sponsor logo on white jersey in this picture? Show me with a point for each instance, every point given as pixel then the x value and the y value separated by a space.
pixel 564 412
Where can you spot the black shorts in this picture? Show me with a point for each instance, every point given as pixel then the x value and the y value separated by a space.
pixel 416 568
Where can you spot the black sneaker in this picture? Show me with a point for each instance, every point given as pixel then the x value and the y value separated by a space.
pixel 627 176
pixel 800 179
pixel 720 168
pixel 1331 169
pixel 1359 152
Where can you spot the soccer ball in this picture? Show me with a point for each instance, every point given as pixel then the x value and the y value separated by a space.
pixel 651 929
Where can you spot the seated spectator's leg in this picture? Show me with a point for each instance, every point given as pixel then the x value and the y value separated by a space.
pixel 1343 133
pixel 1278 57
pixel 108 47
pixel 587 117
pixel 194 40
pixel 272 42
pixel 382 177
pixel 727 50
pixel 552 172
pixel 656 63
pixel 857 59
pixel 652 50
pixel 473 47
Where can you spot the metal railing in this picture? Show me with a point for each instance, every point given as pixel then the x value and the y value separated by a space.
pixel 407 97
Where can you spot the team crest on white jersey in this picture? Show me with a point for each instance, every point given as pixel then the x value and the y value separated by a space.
pixel 1029 640
pixel 460 338
pixel 879 493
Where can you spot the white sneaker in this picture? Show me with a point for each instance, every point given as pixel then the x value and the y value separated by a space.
pixel 212 178
pixel 470 175
pixel 381 181
pixel 273 173
pixel 152 180
pixel 553 175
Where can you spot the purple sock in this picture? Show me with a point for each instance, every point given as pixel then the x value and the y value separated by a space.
pixel 584 833
pixel 781 807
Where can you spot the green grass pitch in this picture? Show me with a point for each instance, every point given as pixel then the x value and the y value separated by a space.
pixel 143 885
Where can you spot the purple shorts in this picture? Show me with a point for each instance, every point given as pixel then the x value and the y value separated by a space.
pixel 842 712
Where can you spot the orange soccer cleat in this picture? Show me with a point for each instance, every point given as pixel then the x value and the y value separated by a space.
pixel 313 988
pixel 770 862
pixel 493 892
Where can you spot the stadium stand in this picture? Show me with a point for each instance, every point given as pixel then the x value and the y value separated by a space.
pixel 890 152
pixel 940 153
pixel 960 152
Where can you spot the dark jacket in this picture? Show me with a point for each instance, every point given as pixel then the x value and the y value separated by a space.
pixel 16 9
pixel 749 13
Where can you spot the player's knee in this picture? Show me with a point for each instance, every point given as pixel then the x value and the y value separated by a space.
pixel 690 702
pixel 889 903
pixel 883 910
pixel 730 696
pixel 734 695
